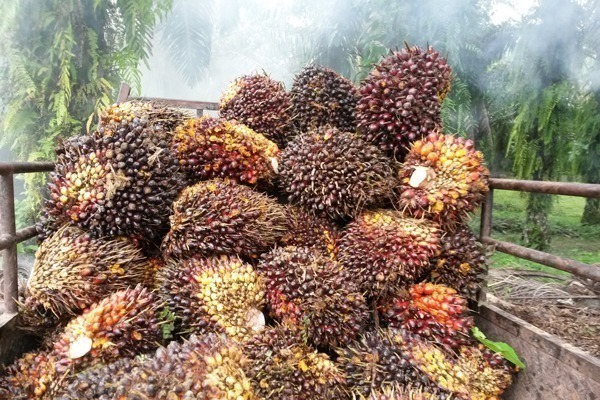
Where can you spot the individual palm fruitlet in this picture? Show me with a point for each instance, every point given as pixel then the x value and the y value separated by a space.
pixel 72 271
pixel 210 147
pixel 308 230
pixel 122 325
pixel 468 374
pixel 307 289
pixel 443 178
pixel 282 366
pixel 400 100
pixel 335 173
pixel 321 96
pixel 206 367
pixel 222 217
pixel 434 312
pixel 218 294
pixel 384 250
pixel 119 181
pixel 375 364
pixel 462 262
pixel 260 103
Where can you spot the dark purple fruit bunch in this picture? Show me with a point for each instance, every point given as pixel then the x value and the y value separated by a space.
pixel 335 173
pixel 400 100
pixel 260 103
pixel 119 181
pixel 308 230
pixel 461 263
pixel 307 289
pixel 321 96
pixel 222 217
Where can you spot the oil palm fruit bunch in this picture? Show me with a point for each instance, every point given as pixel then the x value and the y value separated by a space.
pixel 28 377
pixel 73 270
pixel 151 112
pixel 222 217
pixel 461 263
pixel 434 312
pixel 218 294
pixel 282 366
pixel 400 99
pixel 210 147
pixel 121 325
pixel 307 289
pixel 308 230
pixel 385 250
pixel 443 178
pixel 259 102
pixel 335 173
pixel 375 364
pixel 467 375
pixel 406 393
pixel 205 367
pixel 321 96
pixel 118 182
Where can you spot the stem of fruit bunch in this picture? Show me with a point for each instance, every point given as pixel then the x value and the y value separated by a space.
pixel 373 305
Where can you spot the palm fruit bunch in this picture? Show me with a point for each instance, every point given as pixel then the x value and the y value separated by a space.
pixel 405 393
pixel 434 312
pixel 72 271
pixel 308 290
pixel 400 100
pixel 385 250
pixel 210 147
pixel 308 230
pixel 461 263
pixel 375 365
pixel 121 325
pixel 206 367
pixel 467 374
pixel 219 294
pixel 335 173
pixel 119 181
pixel 126 112
pixel 259 102
pixel 222 217
pixel 282 366
pixel 442 178
pixel 321 96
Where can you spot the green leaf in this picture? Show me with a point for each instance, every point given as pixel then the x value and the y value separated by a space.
pixel 498 347
pixel 167 318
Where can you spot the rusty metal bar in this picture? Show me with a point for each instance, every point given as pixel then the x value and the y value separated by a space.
pixel 124 92
pixel 9 255
pixel 485 227
pixel 20 236
pixel 564 264
pixel 20 167
pixel 561 188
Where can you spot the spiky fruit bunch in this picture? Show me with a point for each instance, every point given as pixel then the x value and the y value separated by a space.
pixel 221 217
pixel 468 375
pixel 28 377
pixel 375 364
pixel 400 100
pixel 217 294
pixel 443 178
pixel 335 173
pixel 121 325
pixel 308 230
pixel 210 147
pixel 207 368
pixel 307 289
pixel 283 367
pixel 72 270
pixel 321 96
pixel 146 111
pixel 118 182
pixel 385 251
pixel 434 312
pixel 398 392
pixel 260 103
pixel 461 263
